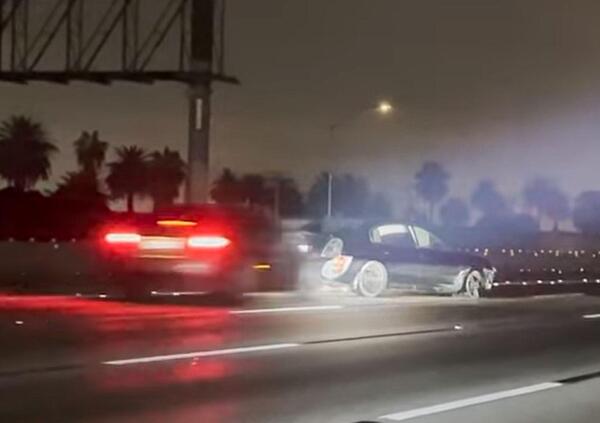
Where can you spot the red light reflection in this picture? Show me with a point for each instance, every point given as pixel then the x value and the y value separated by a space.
pixel 187 371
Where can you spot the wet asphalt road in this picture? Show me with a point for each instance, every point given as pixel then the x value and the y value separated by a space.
pixel 324 357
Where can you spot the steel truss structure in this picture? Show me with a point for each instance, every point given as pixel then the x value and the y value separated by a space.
pixel 143 41
pixel 31 38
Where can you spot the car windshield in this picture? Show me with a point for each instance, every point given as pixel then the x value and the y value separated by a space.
pixel 309 211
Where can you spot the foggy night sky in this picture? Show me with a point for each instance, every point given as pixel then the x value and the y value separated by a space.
pixel 504 89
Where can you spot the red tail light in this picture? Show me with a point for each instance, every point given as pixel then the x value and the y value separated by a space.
pixel 208 242
pixel 123 238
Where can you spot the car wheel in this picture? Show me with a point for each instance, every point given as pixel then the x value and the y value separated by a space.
pixel 235 285
pixel 473 284
pixel 372 280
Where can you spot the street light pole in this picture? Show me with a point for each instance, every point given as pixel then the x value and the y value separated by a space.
pixel 382 108
pixel 332 129
pixel 329 193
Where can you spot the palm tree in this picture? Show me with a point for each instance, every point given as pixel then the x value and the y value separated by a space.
pixel 586 212
pixel 488 200
pixel 128 174
pixel 25 151
pixel 432 185
pixel 90 151
pixel 557 207
pixel 534 195
pixel 547 199
pixel 227 189
pixel 166 173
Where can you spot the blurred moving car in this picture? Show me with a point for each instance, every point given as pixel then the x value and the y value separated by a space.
pixel 376 256
pixel 221 249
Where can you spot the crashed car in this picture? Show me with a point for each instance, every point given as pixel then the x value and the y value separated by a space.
pixel 373 258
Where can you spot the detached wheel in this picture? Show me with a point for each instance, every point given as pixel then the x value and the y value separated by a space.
pixel 372 280
pixel 473 284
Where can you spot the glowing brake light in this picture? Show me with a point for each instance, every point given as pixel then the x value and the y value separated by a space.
pixel 176 223
pixel 208 241
pixel 123 238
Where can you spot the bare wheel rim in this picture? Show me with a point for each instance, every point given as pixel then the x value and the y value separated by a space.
pixel 373 280
pixel 473 284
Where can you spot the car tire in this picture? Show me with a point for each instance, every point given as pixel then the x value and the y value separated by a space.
pixel 372 280
pixel 241 281
pixel 473 284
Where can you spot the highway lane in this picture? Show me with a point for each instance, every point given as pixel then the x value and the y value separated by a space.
pixel 327 357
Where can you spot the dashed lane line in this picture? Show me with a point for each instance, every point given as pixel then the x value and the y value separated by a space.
pixel 468 402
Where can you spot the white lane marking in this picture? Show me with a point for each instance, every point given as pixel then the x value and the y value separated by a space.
pixel 468 402
pixel 210 353
pixel 178 293
pixel 286 309
pixel 591 316
pixel 273 294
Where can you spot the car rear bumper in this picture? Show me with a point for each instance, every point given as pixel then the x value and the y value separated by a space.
pixel 155 274
pixel 171 273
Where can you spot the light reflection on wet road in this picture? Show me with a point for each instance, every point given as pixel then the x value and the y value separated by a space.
pixel 279 357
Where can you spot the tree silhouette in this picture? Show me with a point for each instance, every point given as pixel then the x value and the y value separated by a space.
pixel 351 195
pixel 254 190
pixel 534 194
pixel 546 198
pixel 25 152
pixel 128 174
pixel 227 188
pixel 488 200
pixel 586 212
pixel 78 204
pixel 379 207
pixel 432 185
pixel 506 226
pixel 166 173
pixel 316 199
pixel 284 194
pixel 90 151
pixel 455 212
pixel 556 207
pixel 81 187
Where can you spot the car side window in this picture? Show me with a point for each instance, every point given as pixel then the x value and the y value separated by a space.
pixel 393 235
pixel 426 239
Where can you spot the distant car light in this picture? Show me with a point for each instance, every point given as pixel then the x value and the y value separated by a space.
pixel 262 266
pixel 208 241
pixel 176 223
pixel 123 238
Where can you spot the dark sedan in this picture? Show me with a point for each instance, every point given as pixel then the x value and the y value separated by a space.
pixel 374 257
pixel 223 249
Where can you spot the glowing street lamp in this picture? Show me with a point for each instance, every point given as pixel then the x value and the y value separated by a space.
pixel 385 108
pixel 382 108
